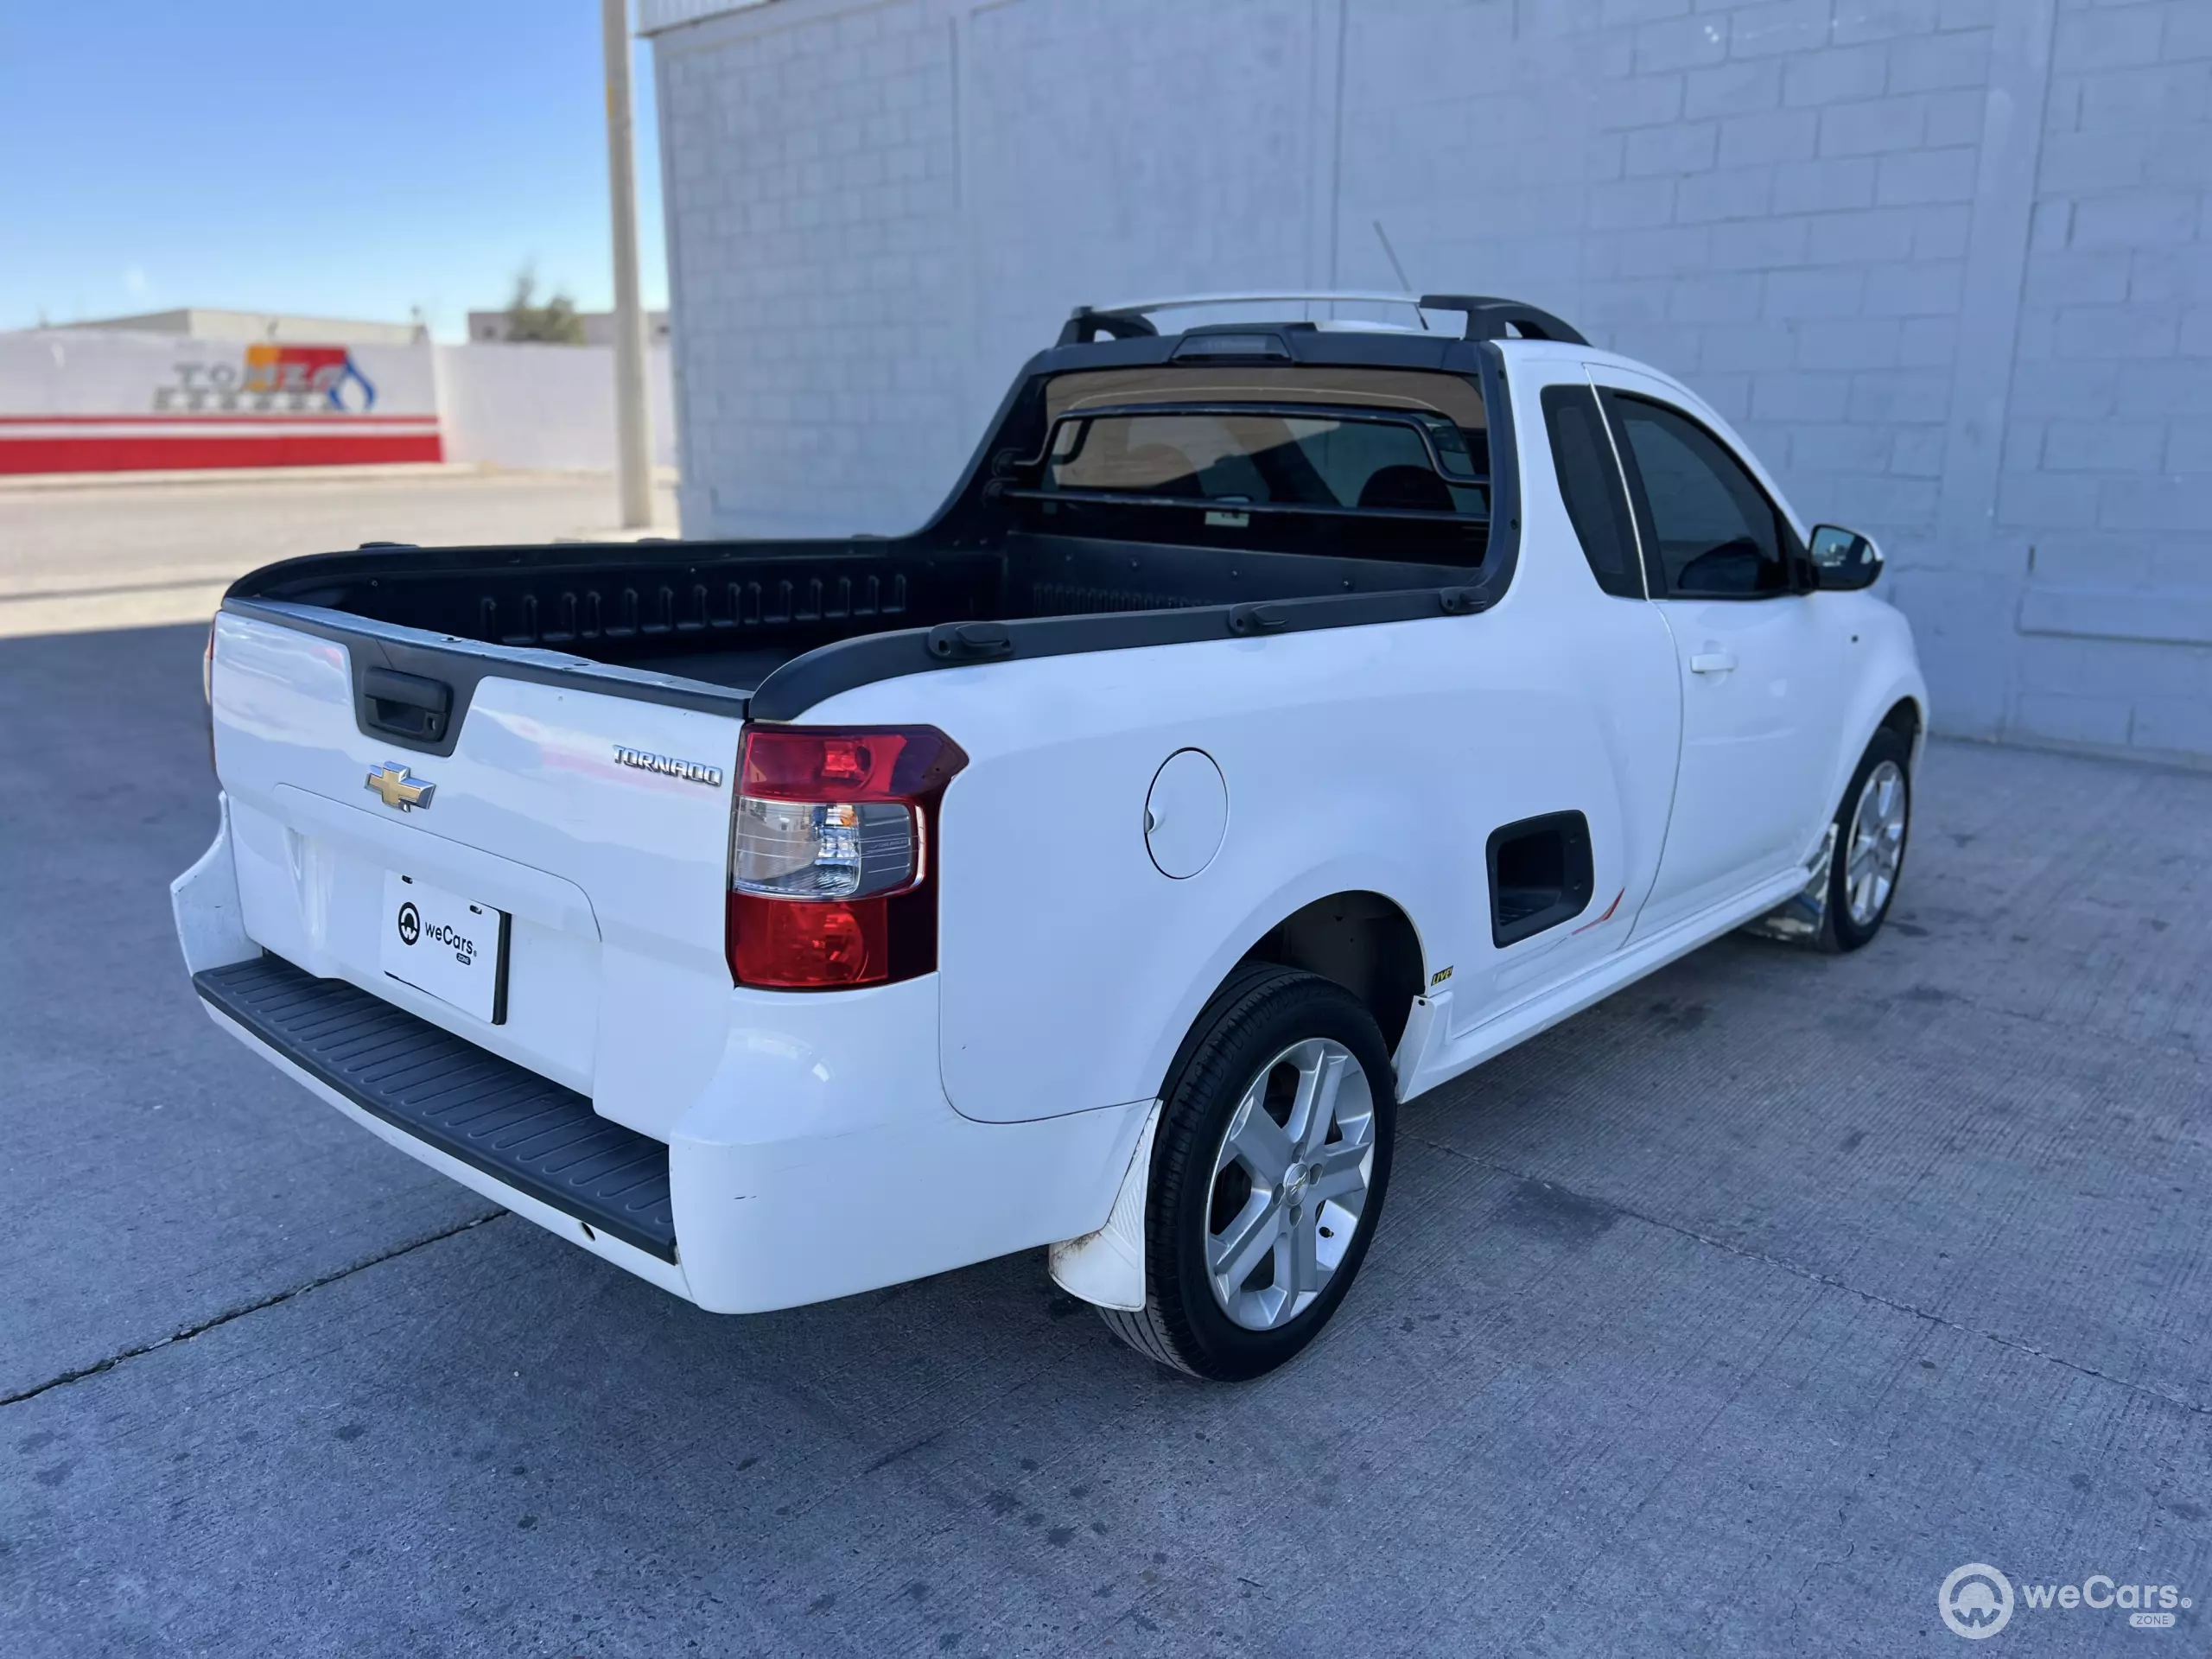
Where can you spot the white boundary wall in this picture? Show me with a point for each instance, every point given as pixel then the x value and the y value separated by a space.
pixel 548 407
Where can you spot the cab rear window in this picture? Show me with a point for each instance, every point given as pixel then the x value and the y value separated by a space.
pixel 1380 463
pixel 1315 457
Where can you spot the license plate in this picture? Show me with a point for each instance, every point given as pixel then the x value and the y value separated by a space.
pixel 452 947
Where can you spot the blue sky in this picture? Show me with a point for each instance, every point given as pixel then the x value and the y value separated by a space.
pixel 355 158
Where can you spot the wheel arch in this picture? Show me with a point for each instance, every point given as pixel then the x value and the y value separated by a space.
pixel 1359 938
pixel 1363 940
pixel 1899 705
pixel 1908 719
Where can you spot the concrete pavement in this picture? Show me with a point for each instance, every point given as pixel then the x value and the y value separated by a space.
pixel 1728 1317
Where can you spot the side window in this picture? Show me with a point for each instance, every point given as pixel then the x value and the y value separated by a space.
pixel 1719 535
pixel 1589 484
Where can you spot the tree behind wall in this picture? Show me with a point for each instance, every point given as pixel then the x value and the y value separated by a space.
pixel 554 323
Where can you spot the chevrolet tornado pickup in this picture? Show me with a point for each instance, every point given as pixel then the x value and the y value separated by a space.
pixel 1278 719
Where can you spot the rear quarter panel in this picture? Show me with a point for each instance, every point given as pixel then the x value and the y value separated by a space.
pixel 1373 758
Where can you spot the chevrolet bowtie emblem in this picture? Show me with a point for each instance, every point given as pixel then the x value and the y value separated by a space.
pixel 395 788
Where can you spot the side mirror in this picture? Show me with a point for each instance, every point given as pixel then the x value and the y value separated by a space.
pixel 1843 560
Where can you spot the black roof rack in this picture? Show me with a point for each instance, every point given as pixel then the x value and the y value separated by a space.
pixel 1488 316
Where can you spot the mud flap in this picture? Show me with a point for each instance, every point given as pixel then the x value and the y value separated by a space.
pixel 1107 1266
pixel 1798 919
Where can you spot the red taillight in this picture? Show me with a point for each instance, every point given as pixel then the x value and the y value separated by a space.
pixel 801 944
pixel 831 879
pixel 891 763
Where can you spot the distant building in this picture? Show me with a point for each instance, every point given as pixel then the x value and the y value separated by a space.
pixel 489 328
pixel 203 323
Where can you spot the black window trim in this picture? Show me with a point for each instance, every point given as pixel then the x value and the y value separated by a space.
pixel 1646 552
pixel 1594 391
pixel 1647 530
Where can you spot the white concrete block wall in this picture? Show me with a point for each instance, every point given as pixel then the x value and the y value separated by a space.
pixel 810 153
pixel 1943 261
pixel 2108 437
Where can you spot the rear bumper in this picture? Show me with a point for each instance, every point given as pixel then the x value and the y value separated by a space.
pixel 669 1276
pixel 523 1130
pixel 821 1158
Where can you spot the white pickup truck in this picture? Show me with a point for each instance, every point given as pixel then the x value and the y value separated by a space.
pixel 1278 720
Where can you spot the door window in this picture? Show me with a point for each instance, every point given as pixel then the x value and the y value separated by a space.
pixel 1590 485
pixel 1719 535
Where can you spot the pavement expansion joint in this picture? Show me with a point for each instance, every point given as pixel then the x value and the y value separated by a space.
pixel 79 1373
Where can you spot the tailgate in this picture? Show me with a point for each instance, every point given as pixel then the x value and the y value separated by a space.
pixel 561 817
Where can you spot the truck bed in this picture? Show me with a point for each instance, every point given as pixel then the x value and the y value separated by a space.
pixel 730 614
pixel 1038 551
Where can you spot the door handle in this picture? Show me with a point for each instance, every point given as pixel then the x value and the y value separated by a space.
pixel 1713 662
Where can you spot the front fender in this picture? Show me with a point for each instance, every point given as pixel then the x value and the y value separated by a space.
pixel 1891 676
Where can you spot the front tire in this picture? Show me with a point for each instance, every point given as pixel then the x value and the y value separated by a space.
pixel 1269 1172
pixel 1871 828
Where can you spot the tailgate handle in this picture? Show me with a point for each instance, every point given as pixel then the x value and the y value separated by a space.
pixel 406 705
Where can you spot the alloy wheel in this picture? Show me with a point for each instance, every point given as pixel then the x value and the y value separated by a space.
pixel 1875 846
pixel 1290 1181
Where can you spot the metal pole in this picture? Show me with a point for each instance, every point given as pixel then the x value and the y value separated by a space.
pixel 632 422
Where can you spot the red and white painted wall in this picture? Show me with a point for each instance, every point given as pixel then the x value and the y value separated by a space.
pixel 77 400
pixel 86 401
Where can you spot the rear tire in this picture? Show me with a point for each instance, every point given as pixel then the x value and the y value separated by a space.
pixel 1871 826
pixel 1269 1172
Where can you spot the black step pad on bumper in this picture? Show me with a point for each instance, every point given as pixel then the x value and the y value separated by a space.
pixel 506 1121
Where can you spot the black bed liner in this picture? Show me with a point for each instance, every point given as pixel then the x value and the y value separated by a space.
pixel 514 1125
